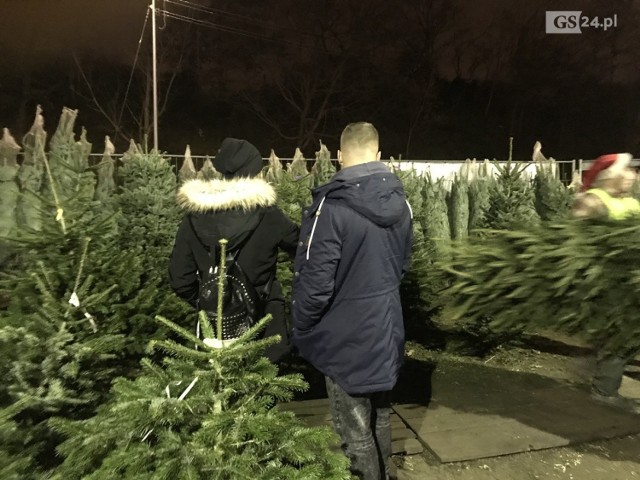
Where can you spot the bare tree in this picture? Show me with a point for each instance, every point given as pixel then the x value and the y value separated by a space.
pixel 427 39
pixel 126 102
pixel 305 71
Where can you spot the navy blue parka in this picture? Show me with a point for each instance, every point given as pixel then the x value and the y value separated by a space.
pixel 355 246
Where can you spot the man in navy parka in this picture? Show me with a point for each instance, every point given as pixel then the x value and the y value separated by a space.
pixel 355 246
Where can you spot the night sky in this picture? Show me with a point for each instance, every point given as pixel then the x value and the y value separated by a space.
pixel 440 79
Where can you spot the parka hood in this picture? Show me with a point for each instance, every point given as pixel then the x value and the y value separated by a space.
pixel 229 209
pixel 217 195
pixel 371 190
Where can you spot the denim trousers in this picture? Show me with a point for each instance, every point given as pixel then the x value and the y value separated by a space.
pixel 363 424
pixel 608 375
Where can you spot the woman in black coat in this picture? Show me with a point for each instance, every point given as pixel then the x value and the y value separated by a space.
pixel 240 208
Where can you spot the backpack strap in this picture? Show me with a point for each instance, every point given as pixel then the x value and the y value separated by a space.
pixel 241 245
pixel 211 249
pixel 264 291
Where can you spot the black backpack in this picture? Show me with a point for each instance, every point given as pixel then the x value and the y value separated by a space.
pixel 242 304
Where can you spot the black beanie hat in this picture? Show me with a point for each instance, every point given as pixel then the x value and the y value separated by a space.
pixel 237 158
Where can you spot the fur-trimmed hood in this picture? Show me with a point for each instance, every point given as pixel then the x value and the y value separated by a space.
pixel 201 196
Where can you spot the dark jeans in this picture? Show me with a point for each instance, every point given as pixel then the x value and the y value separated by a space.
pixel 362 421
pixel 608 375
pixel 278 324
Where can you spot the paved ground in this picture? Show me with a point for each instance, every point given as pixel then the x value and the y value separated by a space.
pixel 473 417
pixel 475 411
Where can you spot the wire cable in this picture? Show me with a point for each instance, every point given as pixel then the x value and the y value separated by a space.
pixel 164 18
pixel 218 11
pixel 133 68
pixel 251 20
pixel 228 29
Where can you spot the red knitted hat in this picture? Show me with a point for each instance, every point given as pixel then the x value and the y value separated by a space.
pixel 605 166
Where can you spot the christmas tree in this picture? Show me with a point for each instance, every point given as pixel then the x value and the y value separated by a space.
pixel 9 190
pixel 147 224
pixel 56 351
pixel 436 215
pixel 207 412
pixel 480 186
pixel 322 170
pixel 502 203
pixel 293 189
pixel 511 198
pixel 58 218
pixel 418 287
pixel 459 206
pixel 274 171
pixel 30 176
pixel 15 462
pixel 298 168
pixel 58 354
pixel 208 171
pixel 106 181
pixel 578 277
pixel 84 286
pixel 413 185
pixel 552 199
pixel 187 170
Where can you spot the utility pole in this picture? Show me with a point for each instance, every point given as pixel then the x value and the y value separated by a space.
pixel 155 76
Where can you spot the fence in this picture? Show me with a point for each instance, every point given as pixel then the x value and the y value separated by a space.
pixel 437 168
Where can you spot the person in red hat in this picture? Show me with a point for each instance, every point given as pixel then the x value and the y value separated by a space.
pixel 606 193
pixel 606 189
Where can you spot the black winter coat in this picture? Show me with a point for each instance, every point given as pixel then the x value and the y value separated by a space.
pixel 356 246
pixel 232 209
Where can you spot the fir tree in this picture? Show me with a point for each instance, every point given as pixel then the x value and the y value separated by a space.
pixel 323 170
pixel 78 284
pixel 208 171
pixel 66 218
pixel 30 176
pixel 106 181
pixel 436 215
pixel 413 185
pixel 511 199
pixel 15 461
pixel 57 355
pixel 293 189
pixel 69 161
pixel 206 413
pixel 576 276
pixel 420 285
pixel 480 187
pixel 459 207
pixel 552 199
pixel 274 171
pixel 9 190
pixel 298 167
pixel 187 170
pixel 147 224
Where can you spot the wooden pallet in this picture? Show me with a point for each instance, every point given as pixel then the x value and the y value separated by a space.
pixel 316 413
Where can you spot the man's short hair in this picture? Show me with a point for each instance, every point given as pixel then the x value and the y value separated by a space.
pixel 358 136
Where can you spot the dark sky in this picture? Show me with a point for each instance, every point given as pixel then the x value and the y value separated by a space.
pixel 37 32
pixel 33 29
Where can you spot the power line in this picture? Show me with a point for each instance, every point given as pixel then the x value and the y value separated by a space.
pixel 252 20
pixel 228 29
pixel 211 10
pixel 135 62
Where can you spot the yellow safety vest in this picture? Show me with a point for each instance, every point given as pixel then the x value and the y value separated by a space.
pixel 618 208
